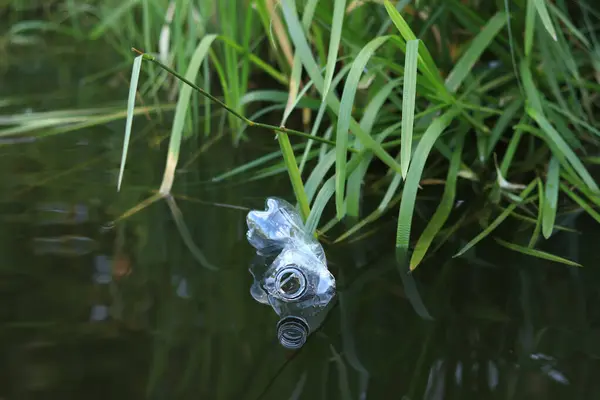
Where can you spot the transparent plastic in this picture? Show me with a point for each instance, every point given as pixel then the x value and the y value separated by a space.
pixel 290 271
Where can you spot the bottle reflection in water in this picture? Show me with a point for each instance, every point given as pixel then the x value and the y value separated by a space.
pixel 290 271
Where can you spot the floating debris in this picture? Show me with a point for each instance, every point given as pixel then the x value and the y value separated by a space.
pixel 290 271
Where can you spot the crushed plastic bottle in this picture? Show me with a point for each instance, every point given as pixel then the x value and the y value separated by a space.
pixel 290 271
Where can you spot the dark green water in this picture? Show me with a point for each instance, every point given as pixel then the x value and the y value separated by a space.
pixel 95 310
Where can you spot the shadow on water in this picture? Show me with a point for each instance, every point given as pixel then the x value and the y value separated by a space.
pixel 95 310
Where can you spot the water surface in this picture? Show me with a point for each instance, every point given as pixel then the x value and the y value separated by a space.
pixel 93 309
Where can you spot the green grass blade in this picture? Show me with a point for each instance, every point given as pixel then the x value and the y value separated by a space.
pixel 246 37
pixel 293 101
pixel 324 195
pixel 409 93
pixel 294 173
pixel 561 125
pixel 426 63
pixel 369 219
pixel 135 76
pixel 313 132
pixel 300 42
pixel 511 42
pixel 542 10
pixel 551 200
pixel 263 65
pixel 498 220
pixel 593 213
pixel 564 163
pixel 372 111
pixel 109 20
pixel 399 22
pixel 538 223
pixel 334 43
pixel 536 253
pixel 443 211
pixel 355 180
pixel 293 90
pixel 511 151
pixel 327 190
pixel 479 44
pixel 574 119
pixel 532 94
pixel 345 114
pixel 268 172
pixel 501 125
pixel 250 165
pixel 572 28
pixel 309 11
pixel 183 104
pixel 318 173
pixel 529 26
pixel 207 102
pixel 534 221
pixel 447 233
pixel 389 193
pixel 299 39
pixel 322 108
pixel 411 185
pixel 576 182
pixel 297 66
pixel 563 147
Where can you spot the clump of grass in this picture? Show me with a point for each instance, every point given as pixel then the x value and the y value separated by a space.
pixel 505 107
pixel 501 96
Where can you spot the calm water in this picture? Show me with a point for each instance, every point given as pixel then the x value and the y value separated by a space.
pixel 92 309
